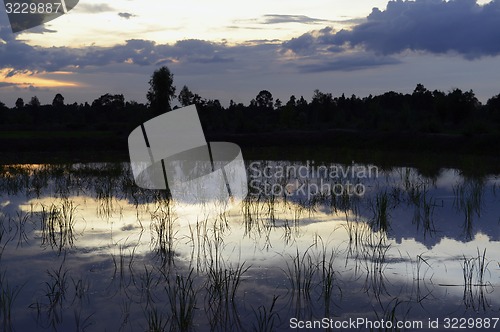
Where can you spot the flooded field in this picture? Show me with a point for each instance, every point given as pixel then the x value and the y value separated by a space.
pixel 325 246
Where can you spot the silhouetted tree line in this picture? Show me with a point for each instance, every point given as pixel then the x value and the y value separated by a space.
pixel 108 112
pixel 422 111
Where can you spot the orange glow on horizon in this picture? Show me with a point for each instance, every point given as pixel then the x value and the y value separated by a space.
pixel 26 79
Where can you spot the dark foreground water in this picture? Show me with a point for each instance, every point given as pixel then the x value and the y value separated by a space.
pixel 327 246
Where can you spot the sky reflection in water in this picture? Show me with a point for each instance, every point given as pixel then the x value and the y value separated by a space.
pixel 84 248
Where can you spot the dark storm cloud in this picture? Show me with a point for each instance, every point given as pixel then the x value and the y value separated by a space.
pixel 460 26
pixel 191 55
pixel 304 44
pixel 318 53
pixel 314 42
pixel 276 19
pixel 21 57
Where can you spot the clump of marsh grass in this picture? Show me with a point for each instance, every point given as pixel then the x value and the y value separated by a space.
pixel 266 318
pixel 221 288
pixel 328 277
pixel 81 323
pixel 123 266
pixel 476 286
pixel 104 190
pixel 375 264
pixel 301 272
pixel 162 227
pixel 182 297
pixel 57 225
pixel 14 179
pixel 223 282
pixel 50 313
pixel 358 234
pixel 381 218
pixel 469 201
pixel 423 208
pixel 63 292
pixel 8 296
pixel 20 222
pixel 394 312
pixel 48 223
pixel 57 287
pixel 156 320
pixel 39 181
pixel 2 236
pixel 147 284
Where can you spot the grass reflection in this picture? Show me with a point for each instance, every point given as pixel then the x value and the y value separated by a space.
pixel 156 264
pixel 469 201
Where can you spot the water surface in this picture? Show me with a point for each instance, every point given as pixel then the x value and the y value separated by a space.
pixel 82 248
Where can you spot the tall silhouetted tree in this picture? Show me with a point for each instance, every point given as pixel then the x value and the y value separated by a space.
pixel 292 102
pixel 288 113
pixel 58 100
pixel 322 104
pixel 420 89
pixel 19 103
pixel 264 100
pixel 185 96
pixel 161 90
pixel 35 102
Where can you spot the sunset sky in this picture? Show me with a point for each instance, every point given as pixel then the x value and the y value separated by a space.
pixel 232 50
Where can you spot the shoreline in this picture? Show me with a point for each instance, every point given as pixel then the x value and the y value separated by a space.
pixel 485 144
pixel 429 152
